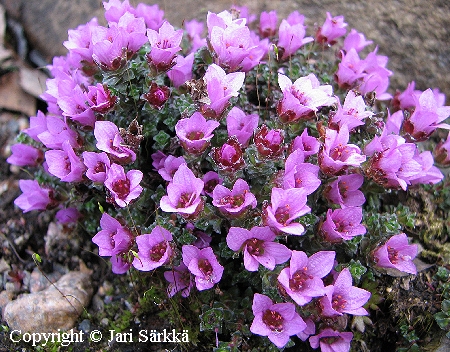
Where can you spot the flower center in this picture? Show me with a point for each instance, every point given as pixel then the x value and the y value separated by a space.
pixel 255 246
pixel 273 320
pixel 282 214
pixel 205 267
pixel 99 167
pixel 121 188
pixel 393 255
pixel 195 135
pixel 235 201
pixel 298 279
pixel 338 302
pixel 185 200
pixel 157 252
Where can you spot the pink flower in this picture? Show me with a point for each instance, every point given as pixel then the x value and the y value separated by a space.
pixel 100 99
pixel 164 46
pixel 113 238
pixel 25 155
pixel 258 247
pixel 303 98
pixel 157 96
pixel 109 47
pixel 350 69
pixel 182 70
pixel 123 187
pixel 336 155
pixel 236 201
pixel 65 164
pixel 183 193
pixel 35 197
pixel 221 88
pixel 332 28
pixel 426 118
pixel 229 158
pixel 345 192
pixel 342 224
pixel 356 41
pixel 241 125
pixel 203 264
pixel 397 253
pixel 331 340
pixel 180 280
pixel 109 140
pixel 154 249
pixel 152 15
pixel 211 180
pixel 307 144
pixel 342 297
pixel 298 174
pixel 170 165
pixel 285 207
pixel 68 215
pixel 291 38
pixel 277 321
pixel 302 280
pixel 97 164
pixel 269 143
pixel 268 24
pixel 56 132
pixel 195 133
pixel 351 114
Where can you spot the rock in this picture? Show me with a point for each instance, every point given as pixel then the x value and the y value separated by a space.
pixel 5 298
pixel 48 310
pixel 415 37
pixel 39 281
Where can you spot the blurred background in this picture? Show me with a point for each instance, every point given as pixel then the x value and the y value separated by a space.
pixel 415 34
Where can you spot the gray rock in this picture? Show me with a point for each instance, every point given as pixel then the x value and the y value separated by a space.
pixel 48 310
pixel 414 36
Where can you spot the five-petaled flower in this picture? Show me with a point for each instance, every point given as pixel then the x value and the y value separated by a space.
pixel 258 246
pixel 203 264
pixel 154 249
pixel 123 187
pixel 396 253
pixel 277 321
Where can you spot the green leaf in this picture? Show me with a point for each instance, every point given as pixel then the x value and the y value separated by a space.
pixel 161 139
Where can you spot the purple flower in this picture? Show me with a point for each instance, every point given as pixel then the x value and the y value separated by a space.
pixel 180 280
pixel 309 330
pixel 376 78
pixel 277 321
pixel 170 165
pixel 342 224
pixel 307 144
pixel 80 40
pixel 241 125
pixel 203 264
pixel 230 41
pixel 269 143
pixel 345 192
pixel 351 114
pixel 221 87
pixel 350 69
pixel 291 38
pixel 109 140
pixel 76 107
pixel 164 46
pixel 35 197
pixel 229 158
pixel 183 193
pixel 258 246
pixel 123 187
pixel 114 9
pixel 195 132
pixel 286 206
pixel 302 279
pixel 182 70
pixel 97 164
pixel 302 99
pixel 120 263
pixel 203 240
pixel 154 249
pixel 157 96
pixel 336 155
pixel 298 174
pixel 56 132
pixel 331 340
pixel 158 160
pixel 211 180
pixel 356 41
pixel 151 14
pixel 68 215
pixel 397 253
pixel 258 50
pixel 426 118
pixel 100 99
pixel 65 164
pixel 268 24
pixel 25 155
pixel 332 28
pixel 113 238
pixel 38 124
pixel 135 32
pixel 109 47
pixel 236 201
pixel 342 297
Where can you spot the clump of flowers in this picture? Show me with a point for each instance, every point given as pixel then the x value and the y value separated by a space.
pixel 237 160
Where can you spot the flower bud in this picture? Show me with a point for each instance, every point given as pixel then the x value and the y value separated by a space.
pixel 229 157
pixel 269 142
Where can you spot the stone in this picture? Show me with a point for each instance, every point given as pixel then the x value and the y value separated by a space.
pixel 5 298
pixel 49 310
pixel 413 36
